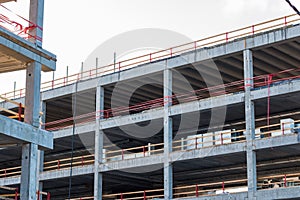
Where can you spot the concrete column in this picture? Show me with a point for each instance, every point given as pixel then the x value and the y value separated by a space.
pixel 41 169
pixel 29 171
pixel 30 151
pixel 36 15
pixel 32 103
pixel 168 132
pixel 250 125
pixel 41 152
pixel 98 179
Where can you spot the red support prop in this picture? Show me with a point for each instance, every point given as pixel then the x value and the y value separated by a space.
pixel 119 66
pixel 196 141
pixel 82 161
pixel 197 191
pixel 16 194
pixel 38 195
pixel 144 151
pixel 195 45
pixel 227 37
pixel 144 195
pixel 223 187
pixel 285 21
pixel 150 57
pixel 58 164
pixel 121 196
pixel 282 129
pixel 52 84
pixel 285 180
pixel 48 196
pixel 253 31
pixel 20 112
pixel 171 50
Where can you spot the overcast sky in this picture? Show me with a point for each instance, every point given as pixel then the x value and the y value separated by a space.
pixel 73 28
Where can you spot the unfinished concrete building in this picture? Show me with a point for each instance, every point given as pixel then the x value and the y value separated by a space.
pixel 21 49
pixel 234 139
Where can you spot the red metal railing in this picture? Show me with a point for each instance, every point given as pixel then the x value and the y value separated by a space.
pixel 209 189
pixel 11 114
pixel 268 79
pixel 236 86
pixel 166 53
pixel 113 153
pixel 13 193
pixel 17 24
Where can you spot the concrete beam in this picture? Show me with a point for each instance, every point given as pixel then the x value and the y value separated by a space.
pixel 278 141
pixel 131 119
pixel 63 173
pixel 10 181
pixel 132 163
pixel 276 89
pixel 235 196
pixel 278 193
pixel 216 150
pixel 25 51
pixel 25 133
pixel 80 129
pixel 208 103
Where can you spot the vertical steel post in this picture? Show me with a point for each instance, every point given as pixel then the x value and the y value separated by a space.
pixel 115 59
pixel 15 85
pixel 97 63
pixel 67 75
pixel 81 71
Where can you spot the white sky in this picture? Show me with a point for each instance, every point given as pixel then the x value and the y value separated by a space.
pixel 73 28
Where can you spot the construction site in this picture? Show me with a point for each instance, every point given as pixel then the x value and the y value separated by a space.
pixel 217 118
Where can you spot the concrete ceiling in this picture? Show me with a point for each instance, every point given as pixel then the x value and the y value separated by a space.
pixel 9 63
pixel 4 1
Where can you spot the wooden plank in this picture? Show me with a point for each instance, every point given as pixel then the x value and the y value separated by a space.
pixel 11 101
pixel 8 111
